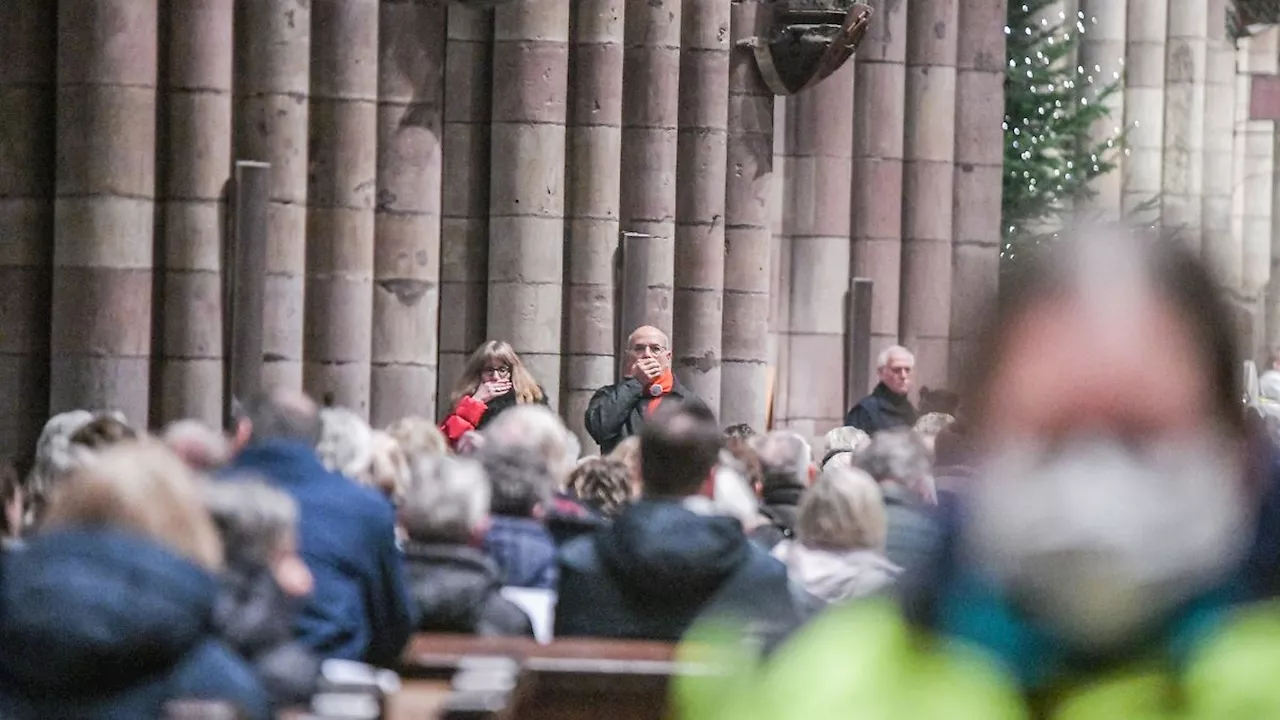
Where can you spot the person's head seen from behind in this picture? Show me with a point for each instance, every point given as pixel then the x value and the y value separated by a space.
pixel 679 450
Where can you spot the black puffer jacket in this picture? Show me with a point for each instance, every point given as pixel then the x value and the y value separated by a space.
pixel 455 589
pixel 255 617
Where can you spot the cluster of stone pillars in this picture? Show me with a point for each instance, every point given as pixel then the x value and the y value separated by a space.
pixel 1194 161
pixel 891 171
pixel 441 175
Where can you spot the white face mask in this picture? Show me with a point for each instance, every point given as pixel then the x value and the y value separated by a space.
pixel 1100 541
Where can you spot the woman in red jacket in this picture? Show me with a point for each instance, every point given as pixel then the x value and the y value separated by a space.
pixel 493 380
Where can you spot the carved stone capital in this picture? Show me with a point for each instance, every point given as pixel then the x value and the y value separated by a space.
pixel 809 40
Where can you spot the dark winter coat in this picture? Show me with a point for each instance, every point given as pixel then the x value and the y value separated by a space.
pixel 617 412
pixel 99 624
pixel 456 589
pixel 881 410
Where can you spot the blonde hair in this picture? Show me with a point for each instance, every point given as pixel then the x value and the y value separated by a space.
pixel 603 483
pixel 523 385
pixel 140 487
pixel 418 436
pixel 844 510
pixel 389 466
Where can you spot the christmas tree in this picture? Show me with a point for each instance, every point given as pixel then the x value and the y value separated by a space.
pixel 1051 106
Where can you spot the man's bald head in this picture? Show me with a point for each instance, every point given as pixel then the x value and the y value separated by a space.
pixel 283 414
pixel 648 341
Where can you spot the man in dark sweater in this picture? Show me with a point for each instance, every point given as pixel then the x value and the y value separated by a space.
pixel 618 411
pixel 887 406
pixel 359 609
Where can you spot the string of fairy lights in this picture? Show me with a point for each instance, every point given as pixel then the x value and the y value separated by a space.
pixel 1054 105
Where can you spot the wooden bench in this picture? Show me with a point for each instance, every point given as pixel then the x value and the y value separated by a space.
pixel 518 679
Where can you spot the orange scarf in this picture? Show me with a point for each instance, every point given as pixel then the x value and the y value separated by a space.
pixel 666 381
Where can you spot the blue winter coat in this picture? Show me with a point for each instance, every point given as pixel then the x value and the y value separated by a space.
pixel 98 624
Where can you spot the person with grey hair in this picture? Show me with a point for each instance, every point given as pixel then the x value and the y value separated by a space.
pixel 262 583
pixel 898 460
pixel 346 442
pixel 786 462
pixel 455 587
pixel 517 539
pixel 838 551
pixel 358 610
pixel 844 439
pixel 888 406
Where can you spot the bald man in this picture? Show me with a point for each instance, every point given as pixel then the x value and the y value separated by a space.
pixel 618 411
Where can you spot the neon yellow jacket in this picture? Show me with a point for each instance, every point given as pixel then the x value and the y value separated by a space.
pixel 863 661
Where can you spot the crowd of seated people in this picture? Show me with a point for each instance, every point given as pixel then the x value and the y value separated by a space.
pixel 1072 519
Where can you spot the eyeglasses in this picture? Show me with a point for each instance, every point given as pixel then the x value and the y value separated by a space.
pixel 502 372
pixel 653 348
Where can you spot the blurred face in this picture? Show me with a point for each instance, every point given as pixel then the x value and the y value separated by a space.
pixel 650 343
pixel 896 373
pixel 1108 494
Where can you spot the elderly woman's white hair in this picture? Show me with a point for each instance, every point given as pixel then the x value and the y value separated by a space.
pixel 844 439
pixel 55 453
pixel 844 510
pixel 537 428
pixel 346 442
pixel 446 500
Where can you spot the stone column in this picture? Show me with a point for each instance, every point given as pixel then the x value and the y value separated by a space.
pixel 200 51
pixel 975 272
pixel 1184 108
pixel 526 202
pixel 879 112
pixel 340 217
pixel 1223 249
pixel 28 75
pixel 1143 168
pixel 592 190
pixel 748 238
pixel 1102 55
pixel 650 101
pixel 929 153
pixel 104 212
pixel 406 266
pixel 1257 185
pixel 781 226
pixel 464 231
pixel 700 203
pixel 820 131
pixel 273 78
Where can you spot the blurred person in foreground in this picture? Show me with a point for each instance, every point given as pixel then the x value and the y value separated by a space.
pixel 108 611
pixel 670 556
pixel 200 446
pixel 263 586
pixel 1095 570
pixel 455 587
pixel 358 609
pixel 516 538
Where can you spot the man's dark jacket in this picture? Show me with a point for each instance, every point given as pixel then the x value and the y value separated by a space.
pixel 881 410
pixel 616 412
pixel 780 506
pixel 457 589
pixel 659 567
pixel 359 609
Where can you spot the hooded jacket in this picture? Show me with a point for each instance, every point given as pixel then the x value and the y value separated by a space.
pixel 658 567
pixel 98 624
